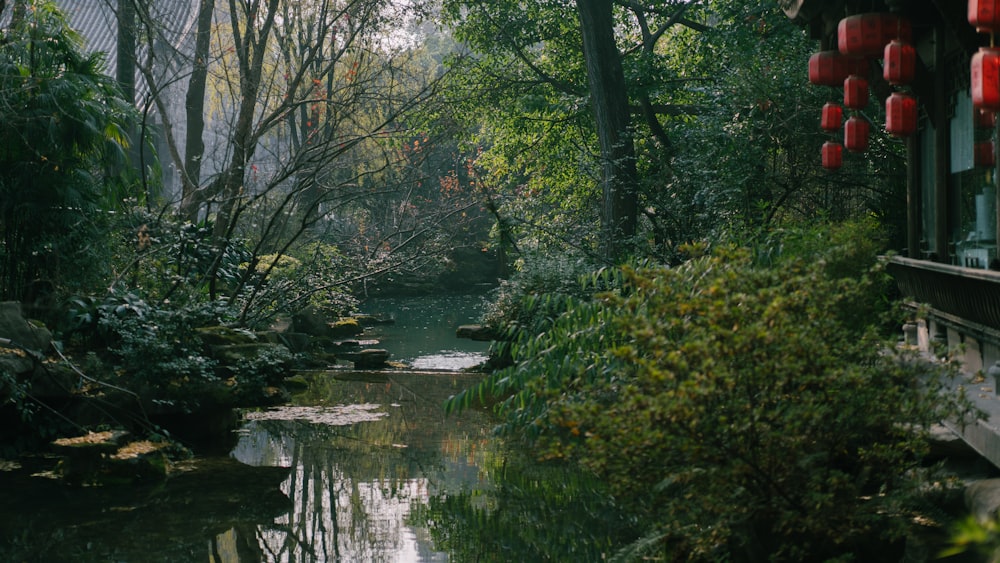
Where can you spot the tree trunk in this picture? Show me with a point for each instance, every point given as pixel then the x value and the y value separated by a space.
pixel 194 143
pixel 125 55
pixel 250 51
pixel 611 114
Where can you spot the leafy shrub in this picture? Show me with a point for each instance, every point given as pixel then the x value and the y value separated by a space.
pixel 156 347
pixel 310 276
pixel 535 274
pixel 740 409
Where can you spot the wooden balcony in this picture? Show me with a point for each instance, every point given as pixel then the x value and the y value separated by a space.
pixel 969 294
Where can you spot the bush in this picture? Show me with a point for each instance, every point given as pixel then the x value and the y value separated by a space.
pixel 535 274
pixel 740 409
pixel 156 348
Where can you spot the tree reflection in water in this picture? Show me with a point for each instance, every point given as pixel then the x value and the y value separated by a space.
pixel 413 485
pixel 354 480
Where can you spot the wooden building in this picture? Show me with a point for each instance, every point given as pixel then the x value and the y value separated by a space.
pixel 950 263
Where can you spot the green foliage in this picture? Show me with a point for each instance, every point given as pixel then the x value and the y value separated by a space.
pixel 14 392
pixel 733 146
pixel 310 275
pixel 156 348
pixel 256 371
pixel 172 260
pixel 973 536
pixel 738 408
pixel 548 512
pixel 62 160
pixel 536 273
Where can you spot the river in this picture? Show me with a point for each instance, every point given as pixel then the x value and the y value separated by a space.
pixel 359 467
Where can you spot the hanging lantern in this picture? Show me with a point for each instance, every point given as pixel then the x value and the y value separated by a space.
pixel 855 92
pixel 983 154
pixel 833 117
pixel 833 155
pixel 856 131
pixel 984 15
pixel 899 62
pixel 985 79
pixel 828 68
pixel 865 35
pixel 984 118
pixel 900 115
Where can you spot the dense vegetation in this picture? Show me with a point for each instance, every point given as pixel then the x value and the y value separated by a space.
pixel 724 367
pixel 737 402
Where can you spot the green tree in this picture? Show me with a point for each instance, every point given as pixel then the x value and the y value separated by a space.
pixel 306 132
pixel 750 159
pixel 722 124
pixel 736 403
pixel 62 160
pixel 553 61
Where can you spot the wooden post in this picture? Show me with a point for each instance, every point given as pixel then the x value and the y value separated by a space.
pixel 942 134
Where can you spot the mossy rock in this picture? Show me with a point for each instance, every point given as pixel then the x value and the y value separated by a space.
pixel 345 327
pixel 372 320
pixel 225 336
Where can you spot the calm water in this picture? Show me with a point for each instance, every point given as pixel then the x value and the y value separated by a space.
pixel 361 467
pixel 423 332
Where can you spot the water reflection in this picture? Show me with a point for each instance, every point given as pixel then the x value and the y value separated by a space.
pixel 361 468
pixel 423 331
pixel 363 453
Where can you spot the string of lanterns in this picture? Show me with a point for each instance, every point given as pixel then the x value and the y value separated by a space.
pixel 862 38
pixel 985 77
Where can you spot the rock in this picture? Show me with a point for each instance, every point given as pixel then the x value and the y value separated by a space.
pixel 344 327
pixel 53 380
pixel 136 461
pixel 15 361
pixel 225 336
pixel 22 332
pixel 478 333
pixel 296 383
pixel 372 320
pixel 309 321
pixel 982 498
pixel 85 457
pixel 371 358
pixel 297 342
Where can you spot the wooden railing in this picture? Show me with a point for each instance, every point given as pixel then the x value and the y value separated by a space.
pixel 967 293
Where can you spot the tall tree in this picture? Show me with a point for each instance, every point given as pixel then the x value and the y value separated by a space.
pixel 300 126
pixel 194 144
pixel 558 58
pixel 611 117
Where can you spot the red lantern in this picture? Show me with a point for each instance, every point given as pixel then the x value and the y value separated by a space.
pixel 983 154
pixel 833 155
pixel 900 62
pixel 856 134
pixel 828 68
pixel 984 15
pixel 985 79
pixel 865 35
pixel 984 118
pixel 900 115
pixel 855 92
pixel 833 117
